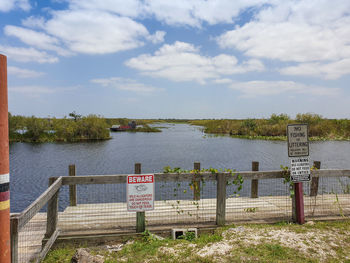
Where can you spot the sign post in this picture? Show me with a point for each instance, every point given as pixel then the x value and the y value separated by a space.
pixel 298 151
pixel 5 249
pixel 140 195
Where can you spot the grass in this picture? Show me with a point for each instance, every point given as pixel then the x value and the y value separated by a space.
pixel 281 242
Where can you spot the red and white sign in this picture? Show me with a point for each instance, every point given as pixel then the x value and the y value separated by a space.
pixel 140 192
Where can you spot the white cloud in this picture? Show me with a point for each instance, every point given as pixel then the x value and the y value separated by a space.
pixel 222 81
pixel 194 13
pixel 182 62
pixel 157 37
pixel 23 73
pixel 37 39
pixel 296 31
pixel 31 91
pixel 125 84
pixel 332 70
pixel 265 88
pixel 95 32
pixel 36 91
pixel 34 22
pixel 27 55
pixel 8 5
pixel 180 12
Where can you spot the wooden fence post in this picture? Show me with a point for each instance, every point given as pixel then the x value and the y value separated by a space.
pixel 221 199
pixel 299 203
pixel 72 188
pixel 140 216
pixel 255 182
pixel 196 182
pixel 52 212
pixel 314 180
pixel 14 239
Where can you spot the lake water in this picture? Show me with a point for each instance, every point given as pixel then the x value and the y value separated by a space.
pixel 178 145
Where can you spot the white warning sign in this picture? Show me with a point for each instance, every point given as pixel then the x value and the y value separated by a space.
pixel 140 192
pixel 300 169
pixel 298 140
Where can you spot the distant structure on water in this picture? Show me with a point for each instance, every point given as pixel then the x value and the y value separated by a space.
pixel 131 125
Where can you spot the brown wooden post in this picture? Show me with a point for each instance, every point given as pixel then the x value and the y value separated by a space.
pixel 255 182
pixel 314 180
pixel 294 214
pixel 72 188
pixel 52 213
pixel 299 203
pixel 221 199
pixel 5 235
pixel 140 216
pixel 14 239
pixel 196 182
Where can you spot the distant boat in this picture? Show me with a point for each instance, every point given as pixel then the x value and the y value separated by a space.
pixel 131 125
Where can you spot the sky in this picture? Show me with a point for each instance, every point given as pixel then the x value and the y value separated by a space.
pixel 177 59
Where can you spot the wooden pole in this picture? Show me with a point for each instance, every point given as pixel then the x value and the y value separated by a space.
pixel 140 216
pixel 221 199
pixel 5 237
pixel 255 182
pixel 299 203
pixel 14 239
pixel 52 213
pixel 196 182
pixel 314 180
pixel 72 188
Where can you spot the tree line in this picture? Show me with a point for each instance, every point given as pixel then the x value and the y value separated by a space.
pixel 76 128
pixel 275 127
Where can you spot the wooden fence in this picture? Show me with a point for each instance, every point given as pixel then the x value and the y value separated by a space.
pixel 50 196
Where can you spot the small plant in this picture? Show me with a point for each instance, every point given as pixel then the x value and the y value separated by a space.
pixel 190 236
pixel 286 175
pixel 147 236
pixel 251 209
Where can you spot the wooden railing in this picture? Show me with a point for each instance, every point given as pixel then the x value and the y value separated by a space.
pixel 50 196
pixel 18 221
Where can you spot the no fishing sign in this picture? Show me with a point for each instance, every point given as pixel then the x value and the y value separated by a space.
pixel 140 192
pixel 298 150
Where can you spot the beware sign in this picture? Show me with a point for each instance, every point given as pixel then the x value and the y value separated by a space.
pixel 140 192
pixel 298 140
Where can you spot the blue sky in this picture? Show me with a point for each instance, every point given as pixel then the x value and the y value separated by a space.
pixel 177 59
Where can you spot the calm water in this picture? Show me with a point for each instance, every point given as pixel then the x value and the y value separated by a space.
pixel 178 145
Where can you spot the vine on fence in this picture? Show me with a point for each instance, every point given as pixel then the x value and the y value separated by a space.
pixel 198 185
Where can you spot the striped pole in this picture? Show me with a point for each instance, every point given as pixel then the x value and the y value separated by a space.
pixel 5 244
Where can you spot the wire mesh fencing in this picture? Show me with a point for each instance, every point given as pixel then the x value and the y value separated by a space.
pixel 331 200
pixel 88 205
pixel 33 231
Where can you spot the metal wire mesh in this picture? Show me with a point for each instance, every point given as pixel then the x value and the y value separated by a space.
pixel 32 234
pixel 332 199
pixel 176 204
pixel 102 208
pixel 99 207
pixel 273 202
